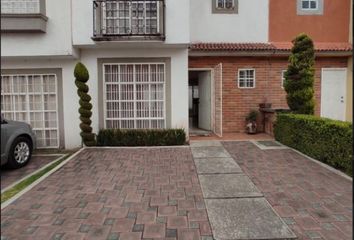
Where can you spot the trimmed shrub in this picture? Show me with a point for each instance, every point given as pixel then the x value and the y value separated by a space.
pixel 81 77
pixel 141 137
pixel 326 140
pixel 299 77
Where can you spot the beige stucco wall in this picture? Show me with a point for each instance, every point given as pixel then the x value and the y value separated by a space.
pixel 349 111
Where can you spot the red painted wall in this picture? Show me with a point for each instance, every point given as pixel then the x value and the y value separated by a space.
pixel 238 102
pixel 332 26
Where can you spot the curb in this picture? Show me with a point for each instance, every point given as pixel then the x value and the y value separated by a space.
pixel 137 147
pixel 35 172
pixel 29 187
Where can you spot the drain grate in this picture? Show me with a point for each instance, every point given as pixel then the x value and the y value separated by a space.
pixel 269 144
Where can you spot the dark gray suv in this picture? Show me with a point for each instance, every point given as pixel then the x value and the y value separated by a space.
pixel 17 143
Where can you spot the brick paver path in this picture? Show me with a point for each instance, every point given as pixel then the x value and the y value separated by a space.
pixel 315 202
pixel 9 176
pixel 114 193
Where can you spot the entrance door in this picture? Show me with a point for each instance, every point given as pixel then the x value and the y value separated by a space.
pixel 204 112
pixel 333 93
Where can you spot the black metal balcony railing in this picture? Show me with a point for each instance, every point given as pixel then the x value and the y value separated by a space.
pixel 128 19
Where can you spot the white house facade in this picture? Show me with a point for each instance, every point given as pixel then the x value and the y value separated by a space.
pixel 152 63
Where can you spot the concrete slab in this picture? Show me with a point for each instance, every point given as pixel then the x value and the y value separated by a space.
pixel 228 186
pixel 205 152
pixel 205 144
pixel 216 165
pixel 245 218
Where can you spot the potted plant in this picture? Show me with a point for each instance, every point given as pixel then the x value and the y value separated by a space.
pixel 251 119
pixel 265 103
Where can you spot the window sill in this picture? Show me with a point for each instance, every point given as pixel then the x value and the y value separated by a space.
pixel 128 38
pixel 23 23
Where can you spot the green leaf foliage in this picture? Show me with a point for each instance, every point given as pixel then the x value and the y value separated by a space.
pixel 81 77
pixel 299 77
pixel 81 73
pixel 326 140
pixel 141 137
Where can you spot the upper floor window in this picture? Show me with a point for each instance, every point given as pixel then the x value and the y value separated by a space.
pixel 224 6
pixel 134 18
pixel 309 4
pixel 20 6
pixel 309 7
pixel 246 78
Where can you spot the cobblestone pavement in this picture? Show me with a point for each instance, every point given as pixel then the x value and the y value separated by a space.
pixel 315 202
pixel 9 176
pixel 136 193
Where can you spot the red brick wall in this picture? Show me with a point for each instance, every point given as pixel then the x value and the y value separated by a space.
pixel 238 102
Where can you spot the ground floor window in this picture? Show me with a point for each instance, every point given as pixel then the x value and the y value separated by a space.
pixel 32 98
pixel 134 95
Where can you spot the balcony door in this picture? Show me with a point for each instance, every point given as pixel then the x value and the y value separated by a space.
pixel 130 18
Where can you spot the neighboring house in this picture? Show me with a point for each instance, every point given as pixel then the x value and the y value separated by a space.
pixel 148 58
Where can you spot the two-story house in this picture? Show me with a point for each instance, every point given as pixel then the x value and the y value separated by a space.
pixel 162 63
pixel 136 53
pixel 243 47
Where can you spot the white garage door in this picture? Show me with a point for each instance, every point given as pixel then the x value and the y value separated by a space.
pixel 333 84
pixel 32 98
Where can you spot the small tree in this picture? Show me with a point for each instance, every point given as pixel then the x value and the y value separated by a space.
pixel 299 77
pixel 81 77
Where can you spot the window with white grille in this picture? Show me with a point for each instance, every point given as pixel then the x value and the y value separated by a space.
pixel 282 78
pixel 130 17
pixel 134 95
pixel 20 6
pixel 32 98
pixel 246 78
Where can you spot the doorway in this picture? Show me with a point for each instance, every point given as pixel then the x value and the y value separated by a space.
pixel 333 93
pixel 200 102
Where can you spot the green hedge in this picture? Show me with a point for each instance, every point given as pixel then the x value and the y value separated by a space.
pixel 141 137
pixel 326 140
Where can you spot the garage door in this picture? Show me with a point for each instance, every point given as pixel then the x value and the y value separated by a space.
pixel 32 98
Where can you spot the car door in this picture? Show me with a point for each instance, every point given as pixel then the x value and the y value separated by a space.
pixel 4 140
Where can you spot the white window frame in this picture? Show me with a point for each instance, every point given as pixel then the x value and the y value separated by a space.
pixel 105 118
pixel 282 78
pixel 116 28
pixel 254 77
pixel 12 94
pixel 309 8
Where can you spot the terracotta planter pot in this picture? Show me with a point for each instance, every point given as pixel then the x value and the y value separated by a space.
pixel 265 105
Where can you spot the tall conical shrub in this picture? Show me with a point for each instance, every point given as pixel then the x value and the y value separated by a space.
pixel 81 77
pixel 299 77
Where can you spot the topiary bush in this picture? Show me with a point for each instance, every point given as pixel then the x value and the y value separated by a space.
pixel 141 137
pixel 326 140
pixel 81 77
pixel 299 77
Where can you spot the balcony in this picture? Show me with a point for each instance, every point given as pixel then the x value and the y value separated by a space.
pixel 23 16
pixel 122 20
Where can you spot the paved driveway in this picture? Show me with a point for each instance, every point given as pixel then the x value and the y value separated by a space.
pixel 10 176
pixel 315 202
pixel 111 194
pixel 154 193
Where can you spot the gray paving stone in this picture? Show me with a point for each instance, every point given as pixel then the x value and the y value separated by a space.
pixel 228 186
pixel 205 144
pixel 205 152
pixel 245 218
pixel 216 165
